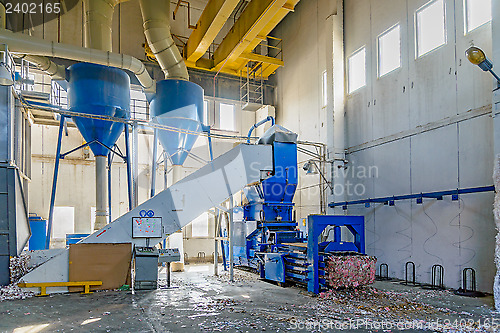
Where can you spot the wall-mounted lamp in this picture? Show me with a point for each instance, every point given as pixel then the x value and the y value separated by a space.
pixel 477 57
pixel 310 168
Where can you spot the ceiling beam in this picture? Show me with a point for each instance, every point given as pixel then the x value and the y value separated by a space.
pixel 252 21
pixel 261 58
pixel 209 25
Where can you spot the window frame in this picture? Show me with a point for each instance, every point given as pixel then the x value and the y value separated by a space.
pixel 466 19
pixel 445 21
pixel 384 33
pixel 233 129
pixel 361 49
pixel 198 220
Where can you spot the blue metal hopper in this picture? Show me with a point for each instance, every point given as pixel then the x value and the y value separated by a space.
pixel 99 90
pixel 178 104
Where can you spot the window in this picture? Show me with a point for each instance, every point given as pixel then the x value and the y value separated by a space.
pixel 64 222
pixel 389 51
pixel 58 95
pixel 431 30
pixel 357 70
pixel 226 113
pixel 477 13
pixel 200 226
pixel 325 88
pixel 205 112
pixel 138 104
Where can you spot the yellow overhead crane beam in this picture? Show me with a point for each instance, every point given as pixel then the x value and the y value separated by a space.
pixel 209 25
pixel 246 29
pixel 258 19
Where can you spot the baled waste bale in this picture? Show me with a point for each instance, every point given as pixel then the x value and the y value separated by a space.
pixel 350 270
pixel 18 267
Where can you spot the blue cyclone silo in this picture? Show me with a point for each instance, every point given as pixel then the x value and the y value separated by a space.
pixel 99 90
pixel 177 104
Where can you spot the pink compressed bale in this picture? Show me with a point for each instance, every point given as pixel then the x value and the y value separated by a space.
pixel 350 271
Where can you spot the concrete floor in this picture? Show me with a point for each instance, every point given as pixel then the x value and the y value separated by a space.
pixel 201 302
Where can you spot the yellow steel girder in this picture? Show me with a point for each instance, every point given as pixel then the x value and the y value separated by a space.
pixel 252 21
pixel 211 21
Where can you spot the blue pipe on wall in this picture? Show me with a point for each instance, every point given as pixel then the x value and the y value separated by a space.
pixel 263 121
pixel 431 195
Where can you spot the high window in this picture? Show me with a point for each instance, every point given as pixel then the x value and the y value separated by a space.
pixel 226 117
pixel 200 226
pixel 477 13
pixel 357 70
pixel 431 28
pixel 389 51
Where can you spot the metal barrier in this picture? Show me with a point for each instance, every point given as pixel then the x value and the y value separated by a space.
pixel 465 279
pixel 412 282
pixel 440 278
pixel 465 290
pixel 437 278
pixel 383 273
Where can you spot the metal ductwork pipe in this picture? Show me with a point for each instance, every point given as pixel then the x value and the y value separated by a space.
pixel 101 192
pixel 55 71
pixel 24 44
pixel 155 15
pixel 98 21
pixel 98 35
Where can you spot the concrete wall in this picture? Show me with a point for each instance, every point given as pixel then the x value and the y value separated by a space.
pixel 424 127
pixel 307 53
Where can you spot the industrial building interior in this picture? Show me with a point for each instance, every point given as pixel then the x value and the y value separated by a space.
pixel 249 165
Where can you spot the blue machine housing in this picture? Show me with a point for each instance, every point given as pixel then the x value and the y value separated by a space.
pixel 102 91
pixel 178 104
pixel 266 235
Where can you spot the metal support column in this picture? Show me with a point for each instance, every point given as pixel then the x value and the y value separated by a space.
pixel 110 162
pixel 54 183
pixel 129 167
pixel 135 165
pixel 216 247
pixel 153 168
pixel 231 240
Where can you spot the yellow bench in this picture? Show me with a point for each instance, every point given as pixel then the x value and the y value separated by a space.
pixel 43 285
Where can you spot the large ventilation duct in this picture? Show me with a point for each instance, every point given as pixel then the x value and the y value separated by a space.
pixel 98 21
pixel 177 103
pixel 100 90
pixel 55 71
pixel 155 15
pixel 24 44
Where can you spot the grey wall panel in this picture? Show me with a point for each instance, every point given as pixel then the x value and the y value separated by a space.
pixel 434 160
pixel 392 175
pixel 476 152
pixel 390 92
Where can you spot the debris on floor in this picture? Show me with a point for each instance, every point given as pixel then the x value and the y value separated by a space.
pixel 12 291
pixel 18 268
pixel 239 276
pixel 350 271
